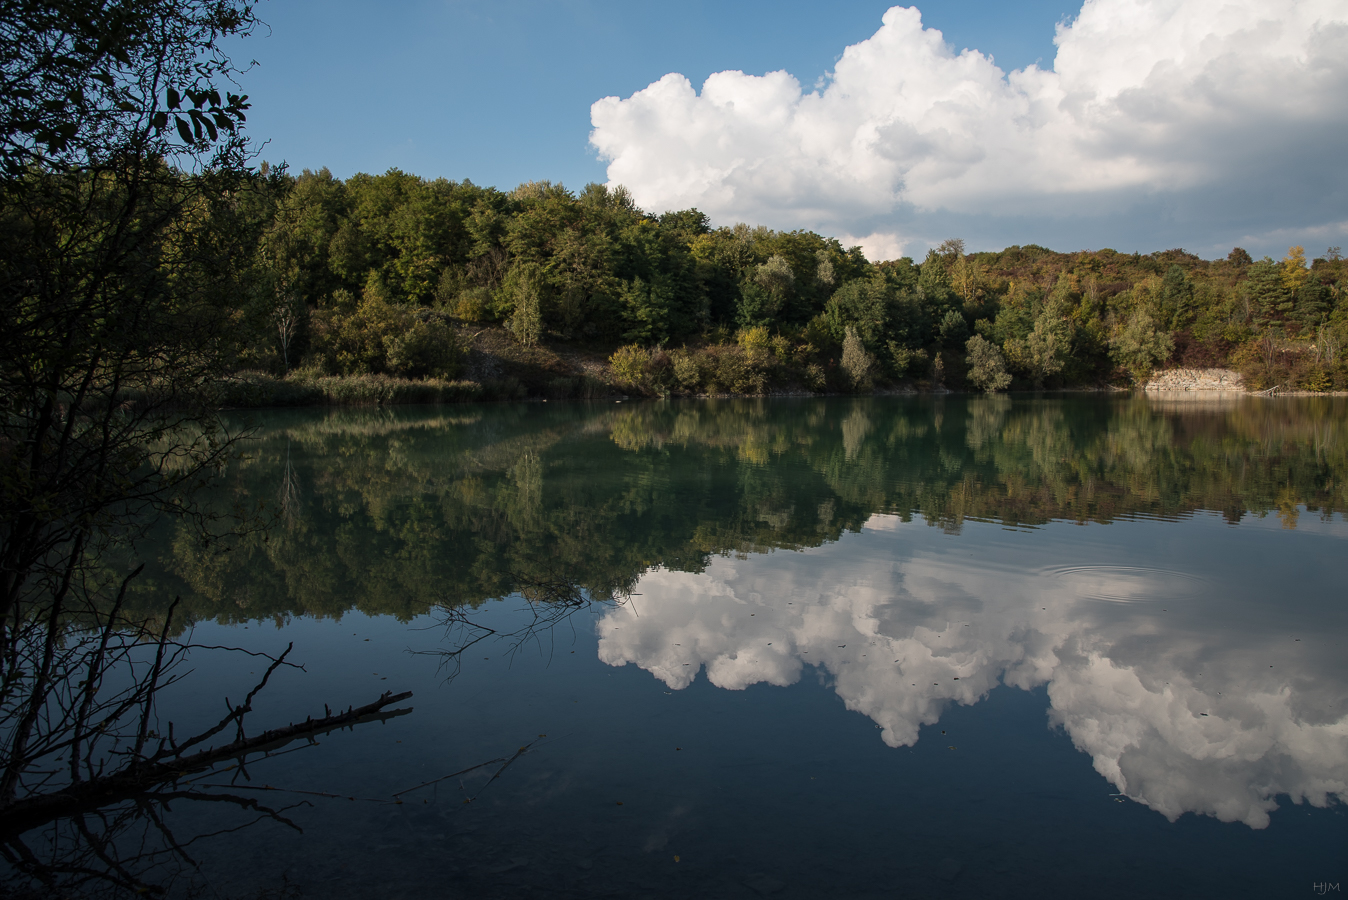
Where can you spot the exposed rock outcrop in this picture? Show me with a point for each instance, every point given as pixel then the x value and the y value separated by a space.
pixel 1196 380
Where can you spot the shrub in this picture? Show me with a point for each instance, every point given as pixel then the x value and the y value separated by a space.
pixel 660 372
pixel 426 349
pixel 815 379
pixel 688 370
pixel 629 365
pixel 755 342
pixel 1317 380
pixel 472 305
pixel 733 372
pixel 376 337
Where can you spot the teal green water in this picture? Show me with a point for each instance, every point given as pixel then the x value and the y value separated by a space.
pixel 891 647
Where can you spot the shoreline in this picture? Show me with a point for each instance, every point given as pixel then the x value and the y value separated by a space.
pixel 256 390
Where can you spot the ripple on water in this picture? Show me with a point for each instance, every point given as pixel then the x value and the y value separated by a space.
pixel 1127 584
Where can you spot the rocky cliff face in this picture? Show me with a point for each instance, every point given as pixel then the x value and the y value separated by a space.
pixel 1196 380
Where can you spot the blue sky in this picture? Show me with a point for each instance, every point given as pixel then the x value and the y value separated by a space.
pixel 500 92
pixel 1151 124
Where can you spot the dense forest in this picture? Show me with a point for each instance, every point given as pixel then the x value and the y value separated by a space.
pixel 392 287
pixel 394 275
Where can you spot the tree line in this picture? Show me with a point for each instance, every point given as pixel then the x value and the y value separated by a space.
pixel 310 276
pixel 386 273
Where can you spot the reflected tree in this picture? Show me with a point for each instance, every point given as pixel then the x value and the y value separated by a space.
pixel 428 510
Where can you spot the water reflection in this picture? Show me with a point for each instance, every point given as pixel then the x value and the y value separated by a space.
pixel 1212 690
pixel 394 512
pixel 1194 662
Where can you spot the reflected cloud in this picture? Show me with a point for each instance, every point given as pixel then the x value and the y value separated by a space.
pixel 1186 689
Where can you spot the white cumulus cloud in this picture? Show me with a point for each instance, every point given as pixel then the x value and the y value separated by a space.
pixel 1218 711
pixel 1204 121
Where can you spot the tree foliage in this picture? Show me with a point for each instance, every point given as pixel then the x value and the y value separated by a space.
pixel 856 362
pixel 605 273
pixel 85 81
pixel 131 228
pixel 1139 347
pixel 987 366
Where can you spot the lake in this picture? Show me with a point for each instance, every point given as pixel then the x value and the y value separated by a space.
pixel 880 647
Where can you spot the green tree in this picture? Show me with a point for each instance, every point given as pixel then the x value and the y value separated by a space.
pixel 856 362
pixel 1175 299
pixel 1268 293
pixel 648 308
pixel 1312 301
pixel 776 277
pixel 954 330
pixel 298 244
pixel 85 81
pixel 824 274
pixel 1139 346
pixel 987 366
pixel 130 223
pixel 120 275
pixel 863 305
pixel 526 319
pixel 1040 354
pixel 765 291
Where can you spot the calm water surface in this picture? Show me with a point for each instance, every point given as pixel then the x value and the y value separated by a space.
pixel 893 647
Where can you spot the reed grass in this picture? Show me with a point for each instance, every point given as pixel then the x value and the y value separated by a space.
pixel 257 389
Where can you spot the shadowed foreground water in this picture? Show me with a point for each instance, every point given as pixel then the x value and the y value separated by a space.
pixel 893 647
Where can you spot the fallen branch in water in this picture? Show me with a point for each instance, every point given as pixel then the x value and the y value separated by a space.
pixel 138 778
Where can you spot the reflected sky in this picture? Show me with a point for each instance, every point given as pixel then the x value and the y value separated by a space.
pixel 1199 664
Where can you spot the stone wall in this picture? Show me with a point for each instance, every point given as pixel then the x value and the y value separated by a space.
pixel 1196 380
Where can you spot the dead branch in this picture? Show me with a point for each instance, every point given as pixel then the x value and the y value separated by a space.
pixel 138 778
